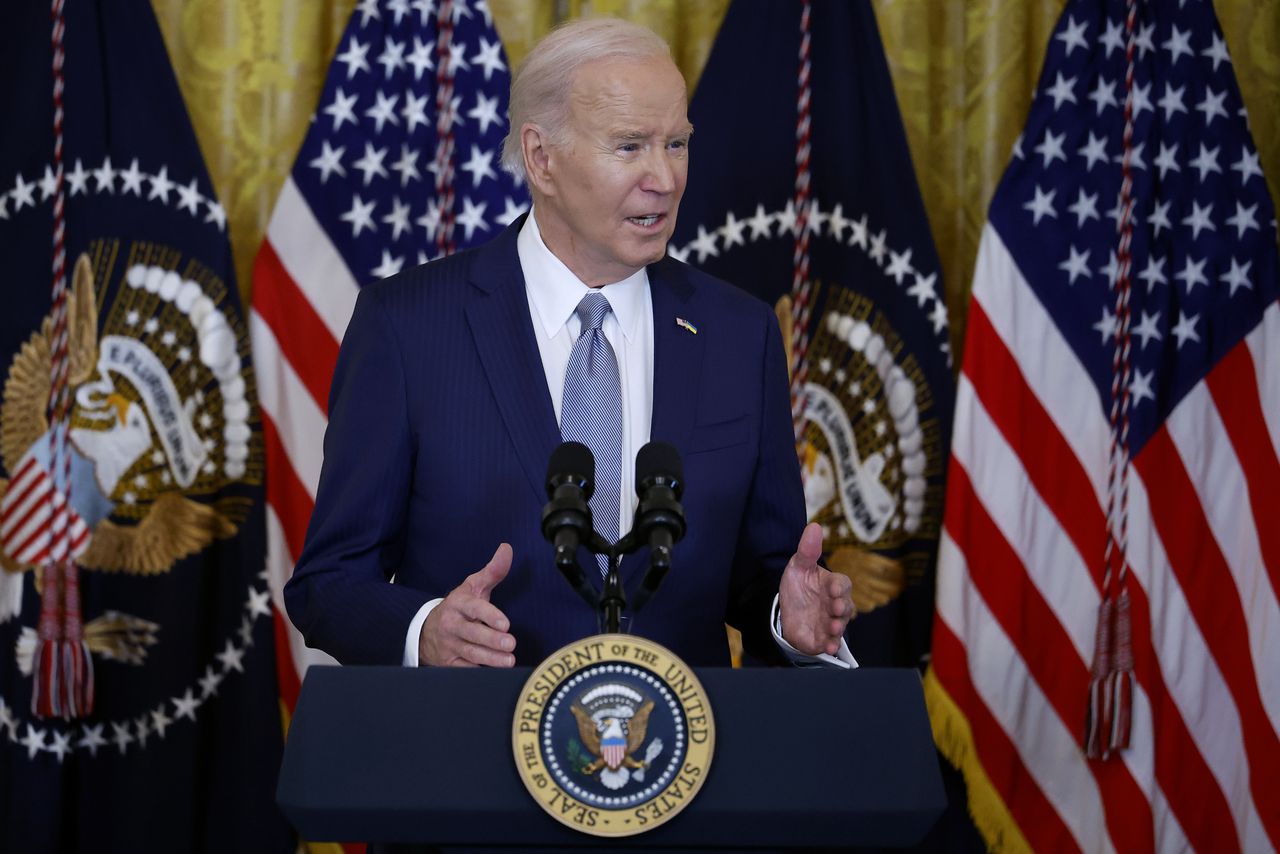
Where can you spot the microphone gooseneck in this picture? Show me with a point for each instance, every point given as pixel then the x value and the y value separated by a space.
pixel 566 518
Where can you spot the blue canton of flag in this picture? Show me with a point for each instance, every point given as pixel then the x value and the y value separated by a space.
pixel 1204 233
pixel 368 165
pixel 876 400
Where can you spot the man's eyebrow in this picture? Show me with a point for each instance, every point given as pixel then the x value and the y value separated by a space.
pixel 636 133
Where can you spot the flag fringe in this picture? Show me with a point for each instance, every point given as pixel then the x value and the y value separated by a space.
pixel 954 740
pixel 327 847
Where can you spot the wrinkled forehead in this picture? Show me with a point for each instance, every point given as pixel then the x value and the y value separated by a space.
pixel 640 89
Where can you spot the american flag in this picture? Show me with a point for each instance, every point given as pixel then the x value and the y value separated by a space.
pixel 28 514
pixel 1033 480
pixel 401 165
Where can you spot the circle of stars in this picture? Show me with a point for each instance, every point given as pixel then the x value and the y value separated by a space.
pixel 108 180
pixel 762 225
pixel 128 734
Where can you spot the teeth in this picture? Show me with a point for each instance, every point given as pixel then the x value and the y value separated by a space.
pixel 645 220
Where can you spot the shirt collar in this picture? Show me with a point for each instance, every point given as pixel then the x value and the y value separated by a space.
pixel 555 291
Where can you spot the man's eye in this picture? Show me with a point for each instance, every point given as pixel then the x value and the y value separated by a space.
pixel 629 146
pixel 678 144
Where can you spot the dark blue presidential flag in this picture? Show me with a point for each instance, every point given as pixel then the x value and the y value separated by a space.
pixel 131 524
pixel 801 190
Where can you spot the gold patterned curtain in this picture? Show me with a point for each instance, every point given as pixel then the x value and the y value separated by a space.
pixel 251 72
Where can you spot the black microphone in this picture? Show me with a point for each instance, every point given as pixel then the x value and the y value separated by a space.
pixel 659 520
pixel 566 518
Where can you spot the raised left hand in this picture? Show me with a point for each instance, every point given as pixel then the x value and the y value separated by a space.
pixel 815 603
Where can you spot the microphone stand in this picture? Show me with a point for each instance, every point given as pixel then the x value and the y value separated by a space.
pixel 614 599
pixel 659 523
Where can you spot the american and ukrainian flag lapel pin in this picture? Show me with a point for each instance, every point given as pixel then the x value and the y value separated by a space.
pixel 684 324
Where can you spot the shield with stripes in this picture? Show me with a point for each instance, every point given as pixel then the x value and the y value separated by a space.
pixel 614 750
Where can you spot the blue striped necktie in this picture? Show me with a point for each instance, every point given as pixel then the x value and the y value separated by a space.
pixel 591 412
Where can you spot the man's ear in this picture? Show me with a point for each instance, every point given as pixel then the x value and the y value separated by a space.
pixel 535 147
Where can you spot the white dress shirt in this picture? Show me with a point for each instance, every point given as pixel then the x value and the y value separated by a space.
pixel 554 293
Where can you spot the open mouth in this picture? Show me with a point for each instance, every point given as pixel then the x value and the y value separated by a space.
pixel 645 221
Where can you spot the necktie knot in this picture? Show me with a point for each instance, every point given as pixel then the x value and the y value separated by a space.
pixel 592 310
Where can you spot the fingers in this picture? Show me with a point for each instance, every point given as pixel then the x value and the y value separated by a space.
pixel 839 591
pixel 452 637
pixel 482 583
pixel 483 611
pixel 808 550
pixel 473 655
pixel 816 605
pixel 479 635
pixel 834 610
pixel 466 629
pixel 479 644
pixel 840 607
pixel 810 547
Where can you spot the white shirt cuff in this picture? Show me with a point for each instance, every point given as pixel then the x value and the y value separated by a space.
pixel 415 632
pixel 843 658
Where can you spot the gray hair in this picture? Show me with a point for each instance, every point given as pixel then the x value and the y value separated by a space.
pixel 540 88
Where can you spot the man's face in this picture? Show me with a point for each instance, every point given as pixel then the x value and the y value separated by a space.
pixel 607 206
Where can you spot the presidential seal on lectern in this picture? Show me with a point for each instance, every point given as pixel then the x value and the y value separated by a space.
pixel 613 735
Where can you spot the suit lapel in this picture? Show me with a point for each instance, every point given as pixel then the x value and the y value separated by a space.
pixel 677 353
pixel 502 329
pixel 677 369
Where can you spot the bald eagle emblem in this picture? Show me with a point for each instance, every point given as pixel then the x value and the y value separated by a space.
pixel 612 722
pixel 161 422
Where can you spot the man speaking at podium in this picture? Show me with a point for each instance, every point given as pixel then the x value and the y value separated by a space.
pixel 458 379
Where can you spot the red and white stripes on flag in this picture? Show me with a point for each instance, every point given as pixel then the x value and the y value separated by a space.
pixel 303 296
pixel 378 186
pixel 1137 107
pixel 30 522
pixel 1017 600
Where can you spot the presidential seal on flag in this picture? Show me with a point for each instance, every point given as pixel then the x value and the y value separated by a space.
pixel 613 735
pixel 820 217
pixel 160 418
pixel 135 628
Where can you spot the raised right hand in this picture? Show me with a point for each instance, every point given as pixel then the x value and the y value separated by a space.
pixel 466 629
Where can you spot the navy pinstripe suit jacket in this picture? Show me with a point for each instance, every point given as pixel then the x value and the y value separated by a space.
pixel 440 428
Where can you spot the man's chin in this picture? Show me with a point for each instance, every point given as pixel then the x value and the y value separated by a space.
pixel 654 250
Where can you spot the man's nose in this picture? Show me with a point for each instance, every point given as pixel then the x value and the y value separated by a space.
pixel 660 172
